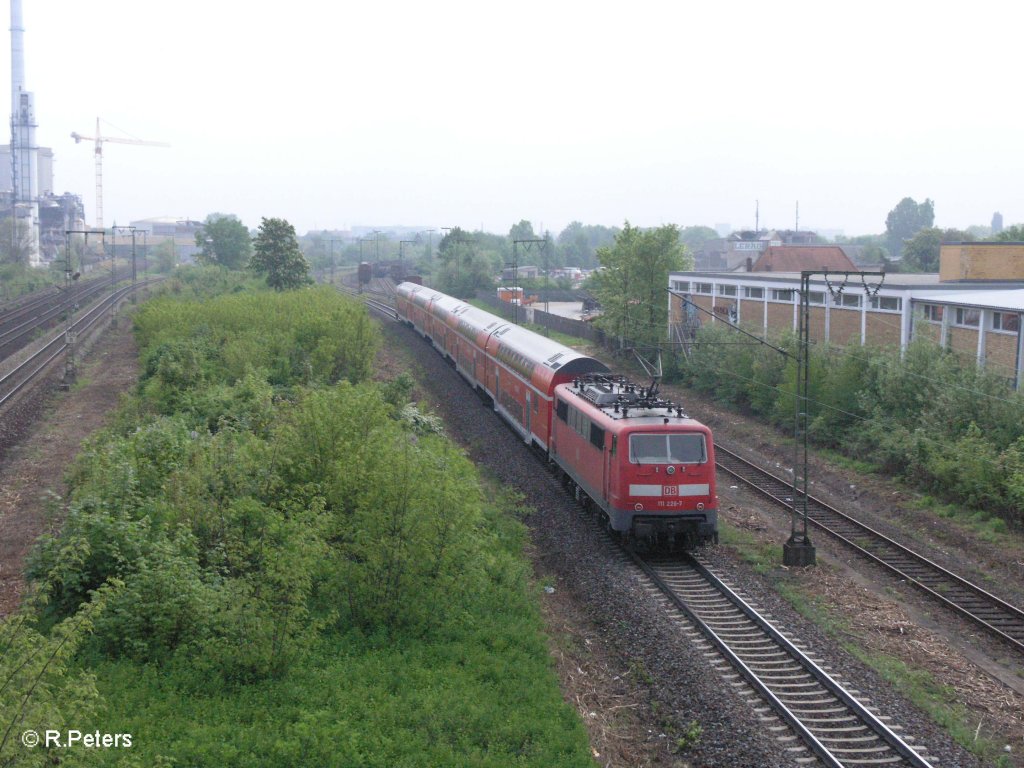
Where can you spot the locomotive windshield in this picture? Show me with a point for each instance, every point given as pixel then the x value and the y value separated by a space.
pixel 667 448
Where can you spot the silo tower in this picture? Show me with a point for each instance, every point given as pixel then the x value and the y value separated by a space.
pixel 24 149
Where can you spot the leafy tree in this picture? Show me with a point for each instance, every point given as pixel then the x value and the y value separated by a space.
pixel 15 242
pixel 577 244
pixel 1012 234
pixel 164 255
pixel 521 231
pixel 465 268
pixel 632 281
pixel 277 256
pixel 921 252
pixel 906 220
pixel 695 237
pixel 224 240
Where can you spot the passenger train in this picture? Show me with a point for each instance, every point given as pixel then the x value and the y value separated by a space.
pixel 647 466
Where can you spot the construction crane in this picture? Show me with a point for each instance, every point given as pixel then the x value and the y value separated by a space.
pixel 99 161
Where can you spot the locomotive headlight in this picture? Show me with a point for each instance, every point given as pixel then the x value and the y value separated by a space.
pixel 638 507
pixel 670 470
pixel 700 506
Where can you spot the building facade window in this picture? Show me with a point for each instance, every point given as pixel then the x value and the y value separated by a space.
pixel 704 288
pixel 1008 322
pixel 726 290
pixel 683 286
pixel 933 313
pixel 887 303
pixel 779 294
pixel 849 300
pixel 816 297
pixel 967 317
pixel 753 293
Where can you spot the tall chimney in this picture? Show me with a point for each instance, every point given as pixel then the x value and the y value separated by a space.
pixel 24 150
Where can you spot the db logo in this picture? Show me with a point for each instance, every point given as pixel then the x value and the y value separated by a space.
pixel 670 490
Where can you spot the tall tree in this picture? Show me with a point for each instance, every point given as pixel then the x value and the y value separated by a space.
pixel 694 237
pixel 464 269
pixel 631 284
pixel 577 244
pixel 224 240
pixel 905 220
pixel 921 252
pixel 277 256
pixel 521 231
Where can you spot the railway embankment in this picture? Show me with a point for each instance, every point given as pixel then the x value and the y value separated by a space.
pixel 266 558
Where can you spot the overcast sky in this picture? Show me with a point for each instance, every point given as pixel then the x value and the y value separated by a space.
pixel 479 114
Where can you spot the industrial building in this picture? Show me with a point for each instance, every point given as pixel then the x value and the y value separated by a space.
pixel 972 307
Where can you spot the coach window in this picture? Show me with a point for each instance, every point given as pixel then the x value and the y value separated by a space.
pixel 596 436
pixel 666 448
pixel 562 409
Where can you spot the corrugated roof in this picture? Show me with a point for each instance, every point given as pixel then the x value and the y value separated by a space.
pixel 1011 300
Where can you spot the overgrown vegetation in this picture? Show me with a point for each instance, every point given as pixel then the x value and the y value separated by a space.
pixel 271 560
pixel 948 427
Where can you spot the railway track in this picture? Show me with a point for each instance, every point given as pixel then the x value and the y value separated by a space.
pixel 30 369
pixel 833 727
pixel 19 323
pixel 380 307
pixel 954 592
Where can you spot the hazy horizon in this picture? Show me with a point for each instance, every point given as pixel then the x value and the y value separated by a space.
pixel 456 114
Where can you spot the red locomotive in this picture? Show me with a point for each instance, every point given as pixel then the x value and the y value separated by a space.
pixel 648 467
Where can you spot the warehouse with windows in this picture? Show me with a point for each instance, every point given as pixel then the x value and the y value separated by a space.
pixel 972 307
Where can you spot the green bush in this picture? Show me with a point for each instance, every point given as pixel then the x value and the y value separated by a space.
pixel 308 572
pixel 925 415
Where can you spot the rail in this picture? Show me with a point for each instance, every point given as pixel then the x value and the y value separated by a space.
pixel 968 600
pixel 28 370
pixel 829 719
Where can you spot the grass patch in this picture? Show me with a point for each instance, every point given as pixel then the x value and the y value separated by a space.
pixel 764 558
pixel 934 699
pixel 983 524
pixel 843 461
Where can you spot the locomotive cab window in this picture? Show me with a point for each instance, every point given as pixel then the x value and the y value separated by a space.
pixel 664 448
pixel 562 409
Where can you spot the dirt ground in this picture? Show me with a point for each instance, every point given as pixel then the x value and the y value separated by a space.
pixel 32 471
